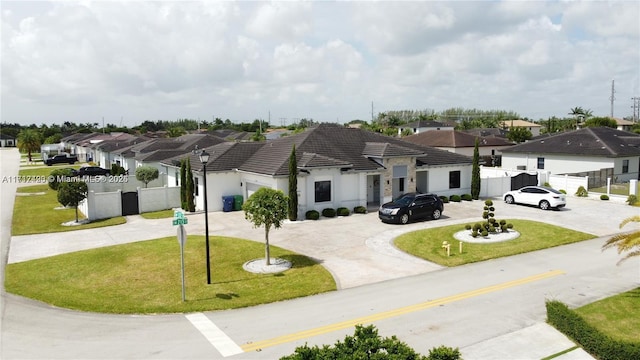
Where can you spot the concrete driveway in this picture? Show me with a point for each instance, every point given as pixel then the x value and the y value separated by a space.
pixel 357 249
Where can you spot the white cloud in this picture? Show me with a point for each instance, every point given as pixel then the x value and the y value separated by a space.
pixel 323 60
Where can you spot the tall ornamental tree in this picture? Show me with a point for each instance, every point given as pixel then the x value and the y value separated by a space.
pixel 626 242
pixel 183 184
pixel 189 191
pixel 266 207
pixel 293 185
pixel 71 193
pixel 475 173
pixel 29 142
pixel 146 174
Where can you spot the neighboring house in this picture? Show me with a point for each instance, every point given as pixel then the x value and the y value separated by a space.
pixel 7 141
pixel 533 127
pixel 83 145
pixel 418 127
pixel 461 143
pixel 578 151
pixel 337 166
pixel 623 124
pixel 487 132
pixel 105 151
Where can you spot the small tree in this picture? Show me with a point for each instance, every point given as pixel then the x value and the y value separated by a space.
pixel 519 134
pixel 266 207
pixel 475 172
pixel 293 185
pixel 55 175
pixel 72 193
pixel 189 190
pixel 29 142
pixel 146 174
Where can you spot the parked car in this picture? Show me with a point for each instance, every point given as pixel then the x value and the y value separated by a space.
pixel 92 171
pixel 541 196
pixel 61 159
pixel 411 206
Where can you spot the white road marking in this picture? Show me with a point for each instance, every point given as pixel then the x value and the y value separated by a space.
pixel 216 337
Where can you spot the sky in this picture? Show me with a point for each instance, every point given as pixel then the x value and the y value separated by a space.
pixel 126 62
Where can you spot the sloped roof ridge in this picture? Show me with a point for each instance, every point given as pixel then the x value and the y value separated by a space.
pixel 601 141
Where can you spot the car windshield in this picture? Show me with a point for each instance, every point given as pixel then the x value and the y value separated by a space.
pixel 405 200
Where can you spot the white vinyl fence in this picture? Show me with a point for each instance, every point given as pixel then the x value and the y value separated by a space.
pixel 104 205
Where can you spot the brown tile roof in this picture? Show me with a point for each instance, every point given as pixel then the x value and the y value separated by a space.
pixel 453 139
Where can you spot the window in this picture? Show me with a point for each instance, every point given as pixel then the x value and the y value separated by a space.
pixel 454 179
pixel 195 186
pixel 625 166
pixel 177 178
pixel 323 191
pixel 540 163
pixel 401 184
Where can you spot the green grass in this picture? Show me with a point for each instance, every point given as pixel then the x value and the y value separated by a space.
pixel 145 277
pixel 36 214
pixel 617 316
pixel 44 171
pixel 162 214
pixel 427 244
pixel 617 189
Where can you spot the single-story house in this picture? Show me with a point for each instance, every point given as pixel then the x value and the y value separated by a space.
pixel 579 151
pixel 337 166
pixel 489 148
pixel 7 141
pixel 533 127
pixel 421 126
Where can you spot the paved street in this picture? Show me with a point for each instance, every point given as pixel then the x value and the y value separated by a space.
pixel 487 309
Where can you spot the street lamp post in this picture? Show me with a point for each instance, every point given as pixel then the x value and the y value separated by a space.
pixel 204 158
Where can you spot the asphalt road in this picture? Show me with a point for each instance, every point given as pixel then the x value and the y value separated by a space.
pixel 461 307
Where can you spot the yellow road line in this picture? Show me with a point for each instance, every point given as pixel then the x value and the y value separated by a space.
pixel 395 312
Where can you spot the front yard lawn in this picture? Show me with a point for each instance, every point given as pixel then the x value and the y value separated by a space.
pixel 427 244
pixel 36 213
pixel 617 316
pixel 43 172
pixel 145 277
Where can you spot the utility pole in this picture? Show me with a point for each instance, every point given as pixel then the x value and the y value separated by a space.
pixel 636 108
pixel 372 112
pixel 612 97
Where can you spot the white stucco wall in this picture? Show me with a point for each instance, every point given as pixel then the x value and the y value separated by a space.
pixel 438 180
pixel 219 184
pixel 158 198
pixel 556 164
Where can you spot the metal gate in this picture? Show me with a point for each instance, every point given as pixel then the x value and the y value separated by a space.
pixel 523 179
pixel 130 203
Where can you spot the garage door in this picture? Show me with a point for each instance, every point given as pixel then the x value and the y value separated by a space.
pixel 251 188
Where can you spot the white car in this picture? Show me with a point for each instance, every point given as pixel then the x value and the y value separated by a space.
pixel 543 197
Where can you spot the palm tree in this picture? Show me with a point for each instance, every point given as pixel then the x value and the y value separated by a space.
pixel 29 141
pixel 626 242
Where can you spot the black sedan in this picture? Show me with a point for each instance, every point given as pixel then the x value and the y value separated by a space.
pixel 92 171
pixel 411 206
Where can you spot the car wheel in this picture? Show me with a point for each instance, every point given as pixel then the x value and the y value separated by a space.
pixel 544 205
pixel 404 218
pixel 436 214
pixel 508 199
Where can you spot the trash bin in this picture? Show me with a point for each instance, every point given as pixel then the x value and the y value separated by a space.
pixel 237 202
pixel 227 203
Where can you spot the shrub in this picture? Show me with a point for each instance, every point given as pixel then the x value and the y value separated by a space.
pixel 359 210
pixel 466 197
pixel 467 227
pixel 55 175
pixel 444 199
pixel 312 215
pixel 632 199
pixel 329 212
pixel 582 192
pixel 563 191
pixel 546 184
pixel 342 211
pixel 444 353
pixel 604 197
pixel 590 338
pixel 455 198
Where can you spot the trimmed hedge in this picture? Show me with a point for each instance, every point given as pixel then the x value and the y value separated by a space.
pixel 312 215
pixel 604 197
pixel 455 198
pixel 592 341
pixel 466 197
pixel 329 212
pixel 359 210
pixel 444 199
pixel 342 211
